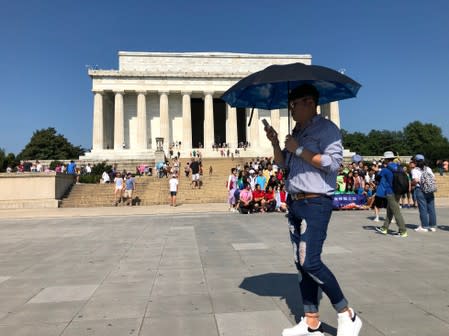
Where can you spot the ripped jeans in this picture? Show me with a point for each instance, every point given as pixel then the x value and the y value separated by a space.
pixel 308 220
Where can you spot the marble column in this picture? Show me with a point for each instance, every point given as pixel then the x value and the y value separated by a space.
pixel 324 110
pixel 231 126
pixel 254 129
pixel 276 120
pixel 164 122
pixel 98 127
pixel 142 138
pixel 334 113
pixel 209 136
pixel 119 127
pixel 186 121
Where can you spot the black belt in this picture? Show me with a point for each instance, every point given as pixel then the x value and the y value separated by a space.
pixel 301 196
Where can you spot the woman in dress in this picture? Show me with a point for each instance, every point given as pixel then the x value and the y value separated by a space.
pixel 231 185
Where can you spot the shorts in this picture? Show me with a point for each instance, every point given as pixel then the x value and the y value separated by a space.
pixel 128 193
pixel 173 193
pixel 196 177
pixel 118 189
pixel 380 202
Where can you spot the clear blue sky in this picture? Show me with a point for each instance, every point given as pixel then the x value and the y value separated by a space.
pixel 398 50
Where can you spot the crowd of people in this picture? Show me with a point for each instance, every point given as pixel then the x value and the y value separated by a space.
pixel 380 183
pixel 266 182
pixel 27 166
pixel 258 186
pixel 71 168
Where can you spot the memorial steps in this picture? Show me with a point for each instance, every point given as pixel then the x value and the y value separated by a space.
pixel 151 190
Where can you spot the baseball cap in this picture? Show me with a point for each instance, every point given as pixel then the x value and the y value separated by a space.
pixel 419 157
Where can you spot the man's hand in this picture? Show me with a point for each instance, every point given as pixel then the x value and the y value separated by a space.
pixel 272 135
pixel 291 144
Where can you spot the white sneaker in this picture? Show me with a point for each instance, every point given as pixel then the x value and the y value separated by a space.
pixel 348 326
pixel 420 229
pixel 433 229
pixel 376 219
pixel 302 329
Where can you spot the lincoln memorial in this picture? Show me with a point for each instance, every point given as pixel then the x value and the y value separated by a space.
pixel 176 96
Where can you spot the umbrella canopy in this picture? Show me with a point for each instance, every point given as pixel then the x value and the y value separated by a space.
pixel 268 89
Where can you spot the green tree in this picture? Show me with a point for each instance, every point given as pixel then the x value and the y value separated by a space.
pixel 46 144
pixel 356 141
pixel 416 137
pixel 6 160
pixel 97 172
pixel 380 141
pixel 426 139
pixel 375 142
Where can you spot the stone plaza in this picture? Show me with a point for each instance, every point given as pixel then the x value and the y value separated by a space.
pixel 165 271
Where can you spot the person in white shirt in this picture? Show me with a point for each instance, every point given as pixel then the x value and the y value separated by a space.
pixel 38 167
pixel 173 183
pixel 105 177
pixel 424 197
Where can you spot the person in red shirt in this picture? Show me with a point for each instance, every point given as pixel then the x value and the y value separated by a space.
pixel 280 175
pixel 270 201
pixel 282 198
pixel 258 197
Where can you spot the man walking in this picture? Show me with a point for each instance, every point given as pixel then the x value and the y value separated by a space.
pixel 385 189
pixel 312 155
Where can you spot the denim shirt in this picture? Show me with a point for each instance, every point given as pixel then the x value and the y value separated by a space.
pixel 319 136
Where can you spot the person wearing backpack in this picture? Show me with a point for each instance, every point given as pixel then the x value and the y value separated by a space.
pixel 425 187
pixel 386 189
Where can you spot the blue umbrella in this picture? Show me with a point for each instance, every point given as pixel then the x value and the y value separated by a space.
pixel 269 88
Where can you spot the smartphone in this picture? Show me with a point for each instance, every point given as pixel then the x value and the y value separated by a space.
pixel 265 123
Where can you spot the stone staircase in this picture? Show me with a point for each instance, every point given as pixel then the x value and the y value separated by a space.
pixel 151 190
pixel 443 186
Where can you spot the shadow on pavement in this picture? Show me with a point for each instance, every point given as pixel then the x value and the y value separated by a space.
pixel 284 286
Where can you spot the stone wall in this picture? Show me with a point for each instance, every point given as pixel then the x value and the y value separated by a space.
pixel 212 62
pixel 33 190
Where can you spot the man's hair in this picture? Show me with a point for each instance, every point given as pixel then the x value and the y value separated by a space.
pixel 304 90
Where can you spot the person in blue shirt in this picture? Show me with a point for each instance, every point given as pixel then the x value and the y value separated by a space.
pixel 312 155
pixel 261 179
pixel 385 189
pixel 71 168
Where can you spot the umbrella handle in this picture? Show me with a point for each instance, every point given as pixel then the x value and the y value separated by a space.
pixel 251 117
pixel 288 111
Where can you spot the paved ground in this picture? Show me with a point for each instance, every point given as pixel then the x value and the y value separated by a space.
pixel 176 271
